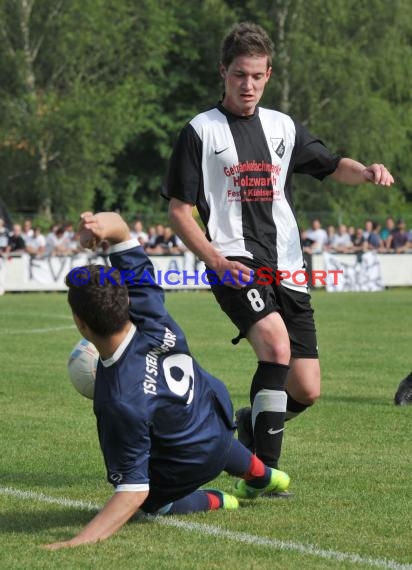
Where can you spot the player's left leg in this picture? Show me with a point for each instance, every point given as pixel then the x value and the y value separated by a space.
pixel 302 385
pixel 303 381
pixel 198 501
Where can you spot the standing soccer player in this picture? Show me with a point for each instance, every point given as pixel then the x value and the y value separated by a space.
pixel 235 163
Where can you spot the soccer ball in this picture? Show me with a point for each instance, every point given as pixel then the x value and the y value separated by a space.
pixel 82 366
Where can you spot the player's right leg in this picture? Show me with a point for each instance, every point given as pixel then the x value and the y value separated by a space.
pixel 270 341
pixel 254 310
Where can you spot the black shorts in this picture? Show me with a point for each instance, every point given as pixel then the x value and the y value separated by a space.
pixel 253 302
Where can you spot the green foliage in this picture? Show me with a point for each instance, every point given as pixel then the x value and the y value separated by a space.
pixel 77 92
pixel 94 92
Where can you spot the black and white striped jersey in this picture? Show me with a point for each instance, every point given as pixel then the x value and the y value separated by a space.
pixel 237 171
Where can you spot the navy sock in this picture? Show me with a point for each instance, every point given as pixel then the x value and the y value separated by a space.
pixel 238 459
pixel 242 463
pixel 196 502
pixel 259 474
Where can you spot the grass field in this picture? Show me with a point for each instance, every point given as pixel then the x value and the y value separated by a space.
pixel 349 456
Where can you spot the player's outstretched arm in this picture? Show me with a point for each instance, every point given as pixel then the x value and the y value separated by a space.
pixel 188 230
pixel 107 226
pixel 120 508
pixel 350 171
pixel 146 296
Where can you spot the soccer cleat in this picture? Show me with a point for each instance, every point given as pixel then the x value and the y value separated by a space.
pixel 228 502
pixel 279 483
pixel 244 427
pixel 403 395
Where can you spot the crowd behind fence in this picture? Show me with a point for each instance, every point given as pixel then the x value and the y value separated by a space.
pixel 63 239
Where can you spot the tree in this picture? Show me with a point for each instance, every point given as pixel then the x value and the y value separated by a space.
pixel 346 76
pixel 188 83
pixel 74 89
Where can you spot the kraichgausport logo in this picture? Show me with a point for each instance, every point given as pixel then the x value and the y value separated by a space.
pixel 80 276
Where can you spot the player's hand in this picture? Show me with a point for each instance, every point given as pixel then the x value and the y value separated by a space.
pixel 378 174
pixel 107 226
pixel 88 234
pixel 234 274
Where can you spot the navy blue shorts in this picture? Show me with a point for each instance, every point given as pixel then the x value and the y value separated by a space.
pixel 170 481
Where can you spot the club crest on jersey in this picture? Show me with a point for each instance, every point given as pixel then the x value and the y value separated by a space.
pixel 278 146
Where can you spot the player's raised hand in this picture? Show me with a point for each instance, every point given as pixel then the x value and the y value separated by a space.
pixel 107 226
pixel 378 174
pixel 87 233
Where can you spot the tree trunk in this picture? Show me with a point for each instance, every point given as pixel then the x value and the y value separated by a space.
pixel 283 54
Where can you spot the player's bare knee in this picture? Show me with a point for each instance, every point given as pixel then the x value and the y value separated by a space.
pixel 308 395
pixel 278 353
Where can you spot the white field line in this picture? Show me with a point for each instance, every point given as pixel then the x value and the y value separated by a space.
pixel 25 314
pixel 4 331
pixel 36 331
pixel 211 530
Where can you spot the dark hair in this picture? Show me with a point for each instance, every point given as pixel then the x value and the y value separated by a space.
pixel 100 303
pixel 246 39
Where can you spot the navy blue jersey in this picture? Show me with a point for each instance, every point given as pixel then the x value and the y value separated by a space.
pixel 161 418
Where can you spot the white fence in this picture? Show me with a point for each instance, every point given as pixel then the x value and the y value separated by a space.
pixel 24 273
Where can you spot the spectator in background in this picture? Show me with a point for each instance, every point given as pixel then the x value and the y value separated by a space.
pixel 151 237
pixel 368 229
pixel 4 237
pixel 69 231
pixel 171 242
pixel 160 229
pixel 139 233
pixel 156 247
pixel 387 231
pixel 27 230
pixel 359 243
pixel 351 232
pixel 306 242
pixel 318 235
pixel 51 235
pixel 16 243
pixel 36 245
pixel 71 239
pixel 331 236
pixel 400 238
pixel 375 242
pixel 341 242
pixel 166 244
pixel 74 244
pixel 57 242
